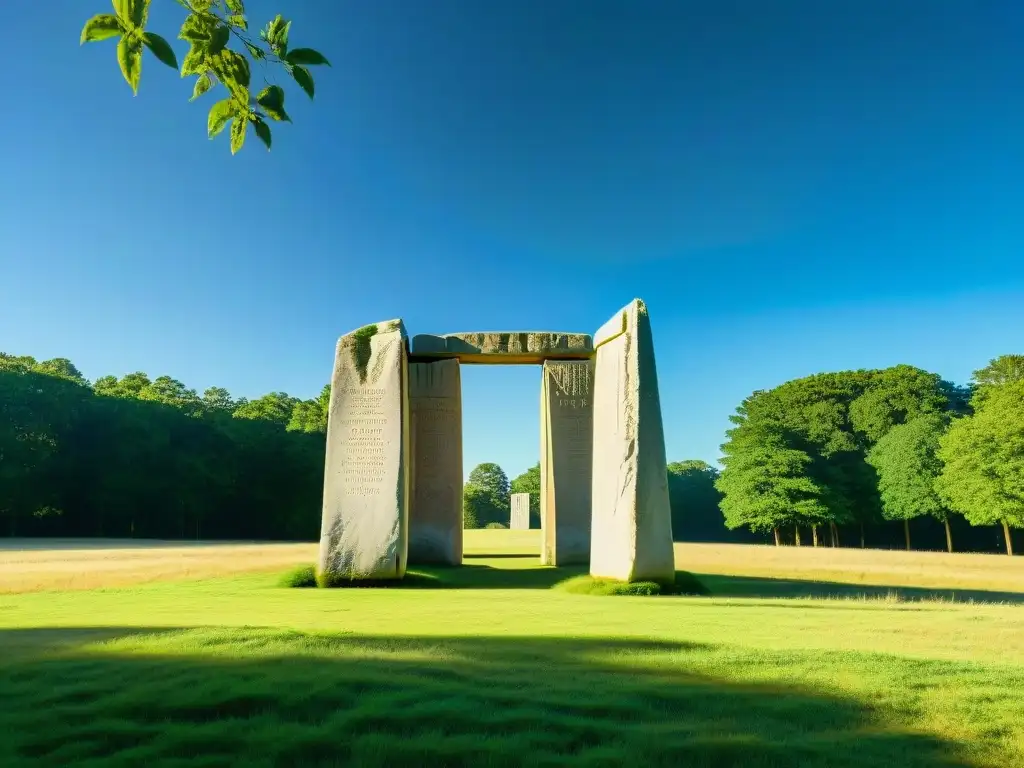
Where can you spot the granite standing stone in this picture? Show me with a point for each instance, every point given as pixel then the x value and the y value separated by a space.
pixel 364 530
pixel 632 524
pixel 567 454
pixel 435 514
pixel 520 518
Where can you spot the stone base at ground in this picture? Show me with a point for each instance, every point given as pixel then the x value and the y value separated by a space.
pixel 567 419
pixel 631 525
pixel 435 512
pixel 364 529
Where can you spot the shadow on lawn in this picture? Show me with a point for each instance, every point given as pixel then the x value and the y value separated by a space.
pixel 749 586
pixel 269 697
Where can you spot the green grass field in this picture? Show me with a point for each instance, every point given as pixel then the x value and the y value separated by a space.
pixel 494 664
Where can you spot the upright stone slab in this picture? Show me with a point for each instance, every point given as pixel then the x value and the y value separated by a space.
pixel 364 530
pixel 632 525
pixel 567 453
pixel 435 514
pixel 520 518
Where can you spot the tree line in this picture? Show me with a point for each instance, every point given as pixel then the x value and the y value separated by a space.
pixel 848 459
pixel 855 449
pixel 141 457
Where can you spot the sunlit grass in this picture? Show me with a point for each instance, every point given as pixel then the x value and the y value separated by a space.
pixel 497 664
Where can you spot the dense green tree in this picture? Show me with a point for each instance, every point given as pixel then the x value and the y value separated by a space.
pixel 529 482
pixel 767 487
pixel 311 415
pixel 983 459
pixel 1005 369
pixel 141 457
pixel 218 399
pixel 894 396
pixel 276 407
pixel 694 499
pixel 486 496
pixel 907 464
pixel 210 28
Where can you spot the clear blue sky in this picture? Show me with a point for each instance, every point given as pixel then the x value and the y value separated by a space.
pixel 791 186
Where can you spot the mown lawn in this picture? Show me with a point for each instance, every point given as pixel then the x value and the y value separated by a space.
pixel 497 666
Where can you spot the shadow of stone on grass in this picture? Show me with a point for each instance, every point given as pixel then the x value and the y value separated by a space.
pixel 315 699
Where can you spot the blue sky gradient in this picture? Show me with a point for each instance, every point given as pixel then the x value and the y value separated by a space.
pixel 792 187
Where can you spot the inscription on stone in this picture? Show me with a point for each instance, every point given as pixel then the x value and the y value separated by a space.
pixel 566 459
pixel 365 512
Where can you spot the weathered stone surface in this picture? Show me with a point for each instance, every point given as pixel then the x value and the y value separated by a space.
pixel 632 525
pixel 520 518
pixel 435 513
pixel 364 529
pixel 505 347
pixel 567 451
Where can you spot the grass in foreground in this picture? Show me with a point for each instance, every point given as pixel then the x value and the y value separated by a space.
pixel 501 669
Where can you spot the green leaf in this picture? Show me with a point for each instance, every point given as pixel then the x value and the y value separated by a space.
pixel 195 61
pixel 255 51
pixel 304 79
pixel 203 84
pixel 271 99
pixel 161 49
pixel 307 57
pixel 220 114
pixel 263 131
pixel 139 13
pixel 236 6
pixel 101 27
pixel 232 68
pixel 238 128
pixel 129 56
pixel 238 20
pixel 123 9
pixel 197 29
pixel 221 35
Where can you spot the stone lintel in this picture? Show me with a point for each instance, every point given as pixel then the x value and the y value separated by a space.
pixel 503 347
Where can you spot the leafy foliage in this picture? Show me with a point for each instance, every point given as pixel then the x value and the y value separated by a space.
pixel 209 28
pixel 983 458
pixel 485 498
pixel 146 457
pixel 695 501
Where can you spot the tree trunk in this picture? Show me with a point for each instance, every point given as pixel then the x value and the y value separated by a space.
pixel 906 531
pixel 797 528
pixel 949 535
pixel 1009 539
pixel 14 527
pixel 814 534
pixel 776 530
pixel 862 535
pixel 835 534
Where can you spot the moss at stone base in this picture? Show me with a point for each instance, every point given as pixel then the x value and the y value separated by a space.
pixel 685 584
pixel 343 581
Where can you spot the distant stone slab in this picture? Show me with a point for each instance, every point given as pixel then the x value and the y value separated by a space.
pixel 505 347
pixel 364 529
pixel 631 527
pixel 520 517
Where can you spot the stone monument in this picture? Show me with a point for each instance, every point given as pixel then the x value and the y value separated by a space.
pixel 393 472
pixel 566 456
pixel 435 512
pixel 631 523
pixel 365 523
pixel 520 518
